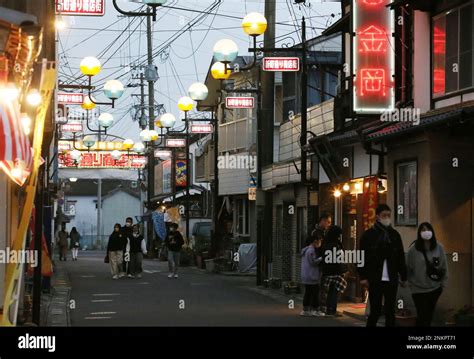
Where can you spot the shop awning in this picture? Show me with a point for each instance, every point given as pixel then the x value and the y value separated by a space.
pixel 16 157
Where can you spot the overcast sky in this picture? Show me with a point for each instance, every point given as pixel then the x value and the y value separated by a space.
pixel 185 60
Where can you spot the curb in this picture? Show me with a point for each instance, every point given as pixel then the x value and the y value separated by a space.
pixel 58 314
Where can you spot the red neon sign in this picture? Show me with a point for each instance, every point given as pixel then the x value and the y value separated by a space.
pixel 102 160
pixel 372 39
pixel 373 56
pixel 372 81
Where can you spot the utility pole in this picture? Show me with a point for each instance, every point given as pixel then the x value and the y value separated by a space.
pixel 99 206
pixel 264 143
pixel 151 125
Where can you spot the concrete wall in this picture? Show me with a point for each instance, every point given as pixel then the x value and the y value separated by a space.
pixel 116 208
pixel 85 219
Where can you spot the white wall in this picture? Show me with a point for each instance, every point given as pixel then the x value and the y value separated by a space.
pixel 86 215
pixel 116 208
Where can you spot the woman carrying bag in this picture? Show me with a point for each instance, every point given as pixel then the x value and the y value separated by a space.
pixel 427 273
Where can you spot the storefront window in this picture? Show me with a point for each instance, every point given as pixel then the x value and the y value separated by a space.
pixel 406 194
pixel 453 46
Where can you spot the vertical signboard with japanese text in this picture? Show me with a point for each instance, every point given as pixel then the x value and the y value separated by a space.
pixel 373 56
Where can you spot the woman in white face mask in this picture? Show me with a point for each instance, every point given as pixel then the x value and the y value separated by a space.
pixel 427 273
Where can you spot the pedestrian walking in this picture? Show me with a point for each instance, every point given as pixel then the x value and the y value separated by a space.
pixel 384 266
pixel 311 257
pixel 115 247
pixel 61 240
pixel 137 251
pixel 75 242
pixel 128 232
pixel 174 242
pixel 333 281
pixel 427 273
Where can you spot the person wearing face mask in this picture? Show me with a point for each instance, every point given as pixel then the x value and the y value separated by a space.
pixel 117 242
pixel 128 231
pixel 174 242
pixel 137 250
pixel 384 266
pixel 427 273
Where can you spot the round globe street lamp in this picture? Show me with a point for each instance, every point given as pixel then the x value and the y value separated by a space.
pixel 185 104
pixel 154 4
pixel 116 155
pixel 225 51
pixel 88 104
pixel 219 71
pixel 254 24
pixel 113 89
pixel 88 141
pixel 168 120
pixel 106 120
pixel 198 91
pixel 128 144
pixel 139 148
pixel 145 136
pixel 76 156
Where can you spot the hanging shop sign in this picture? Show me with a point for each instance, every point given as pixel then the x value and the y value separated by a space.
pixel 373 59
pixel 181 173
pixel 285 64
pixel 72 127
pixel 239 102
pixel 369 201
pixel 80 7
pixel 102 160
pixel 70 98
pixel 98 146
pixel 202 128
pixel 176 142
pixel 162 154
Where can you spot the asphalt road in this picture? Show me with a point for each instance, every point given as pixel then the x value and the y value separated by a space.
pixel 196 298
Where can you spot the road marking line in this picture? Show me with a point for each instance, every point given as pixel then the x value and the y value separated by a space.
pixel 101 300
pixel 102 313
pixel 91 318
pixel 143 283
pixel 105 294
pixel 87 276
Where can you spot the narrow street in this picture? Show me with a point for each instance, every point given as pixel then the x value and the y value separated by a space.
pixel 153 300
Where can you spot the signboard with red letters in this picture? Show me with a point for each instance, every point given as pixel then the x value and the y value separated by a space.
pixel 80 7
pixel 373 56
pixel 70 98
pixel 202 128
pixel 72 127
pixel 176 142
pixel 239 102
pixel 102 160
pixel 285 64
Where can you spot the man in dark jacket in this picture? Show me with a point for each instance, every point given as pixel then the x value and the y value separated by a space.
pixel 384 264
pixel 174 242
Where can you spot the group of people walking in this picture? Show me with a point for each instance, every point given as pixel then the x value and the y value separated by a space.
pixel 386 266
pixel 126 248
pixel 65 240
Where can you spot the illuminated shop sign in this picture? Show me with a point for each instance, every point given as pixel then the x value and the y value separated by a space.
pixel 102 160
pixel 70 98
pixel 239 102
pixel 284 64
pixel 373 56
pixel 80 7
